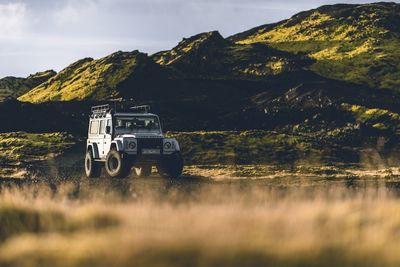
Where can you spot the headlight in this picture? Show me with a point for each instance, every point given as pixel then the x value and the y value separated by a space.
pixel 167 145
pixel 132 145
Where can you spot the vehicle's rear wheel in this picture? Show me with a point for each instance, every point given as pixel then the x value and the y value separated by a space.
pixel 92 168
pixel 143 171
pixel 116 166
pixel 171 167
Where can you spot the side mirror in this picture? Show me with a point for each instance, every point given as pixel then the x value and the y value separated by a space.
pixel 108 129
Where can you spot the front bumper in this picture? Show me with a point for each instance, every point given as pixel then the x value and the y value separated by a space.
pixel 149 159
pixel 150 152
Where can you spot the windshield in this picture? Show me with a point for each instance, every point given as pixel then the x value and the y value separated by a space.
pixel 137 124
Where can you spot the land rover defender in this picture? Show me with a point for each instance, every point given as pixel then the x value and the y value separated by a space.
pixel 122 140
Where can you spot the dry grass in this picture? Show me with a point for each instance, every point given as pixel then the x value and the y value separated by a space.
pixel 198 223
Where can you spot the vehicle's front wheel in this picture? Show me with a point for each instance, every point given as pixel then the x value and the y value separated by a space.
pixel 92 168
pixel 116 166
pixel 171 167
pixel 143 171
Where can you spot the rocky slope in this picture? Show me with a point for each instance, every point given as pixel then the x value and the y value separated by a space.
pixel 358 43
pixel 12 87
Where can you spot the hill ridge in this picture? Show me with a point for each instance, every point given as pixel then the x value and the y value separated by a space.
pixel 89 78
pixel 12 87
pixel 357 43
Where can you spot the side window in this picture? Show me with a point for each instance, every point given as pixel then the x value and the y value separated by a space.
pixel 109 125
pixel 102 126
pixel 94 127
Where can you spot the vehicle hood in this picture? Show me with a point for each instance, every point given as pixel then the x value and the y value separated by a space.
pixel 140 135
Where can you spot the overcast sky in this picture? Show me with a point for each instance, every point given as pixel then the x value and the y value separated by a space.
pixel 36 35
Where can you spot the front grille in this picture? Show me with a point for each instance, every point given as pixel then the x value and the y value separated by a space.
pixel 150 143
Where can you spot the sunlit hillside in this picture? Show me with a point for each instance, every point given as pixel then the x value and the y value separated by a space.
pixel 12 87
pixel 209 55
pixel 349 42
pixel 92 79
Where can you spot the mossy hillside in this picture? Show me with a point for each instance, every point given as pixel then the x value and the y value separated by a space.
pixel 370 62
pixel 12 87
pixel 190 45
pixel 209 55
pixel 379 119
pixel 357 43
pixel 89 79
pixel 19 147
pixel 333 23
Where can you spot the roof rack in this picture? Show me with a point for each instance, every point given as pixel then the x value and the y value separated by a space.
pixel 101 109
pixel 142 109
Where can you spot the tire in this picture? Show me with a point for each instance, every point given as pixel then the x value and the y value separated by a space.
pixel 92 168
pixel 143 171
pixel 116 166
pixel 171 167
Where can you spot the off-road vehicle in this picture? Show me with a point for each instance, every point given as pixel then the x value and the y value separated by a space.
pixel 129 138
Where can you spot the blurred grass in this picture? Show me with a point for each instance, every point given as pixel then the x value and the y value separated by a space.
pixel 214 225
pixel 17 219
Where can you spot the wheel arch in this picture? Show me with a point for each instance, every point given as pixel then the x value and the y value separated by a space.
pixel 94 149
pixel 117 144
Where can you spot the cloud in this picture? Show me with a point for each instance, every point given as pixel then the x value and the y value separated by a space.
pixel 12 20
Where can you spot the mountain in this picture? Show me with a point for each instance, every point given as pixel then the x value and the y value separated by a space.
pixel 358 43
pixel 198 75
pixel 12 87
pixel 209 55
pixel 90 79
pixel 355 43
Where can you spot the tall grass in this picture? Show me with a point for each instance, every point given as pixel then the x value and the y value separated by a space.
pixel 158 223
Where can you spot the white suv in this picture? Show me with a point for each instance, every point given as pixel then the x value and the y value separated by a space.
pixel 130 139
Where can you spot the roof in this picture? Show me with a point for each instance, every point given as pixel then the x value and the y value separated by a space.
pixel 133 114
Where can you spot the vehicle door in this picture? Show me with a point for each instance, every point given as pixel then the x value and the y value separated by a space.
pixel 102 136
pixel 107 136
pixel 94 135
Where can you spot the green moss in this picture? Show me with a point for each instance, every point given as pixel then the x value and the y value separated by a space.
pixel 380 126
pixel 353 43
pixel 209 55
pixel 242 147
pixel 19 147
pixel 88 79
pixel 12 87
pixel 380 119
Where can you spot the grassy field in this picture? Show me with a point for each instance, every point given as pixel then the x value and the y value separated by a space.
pixel 200 222
pixel 18 150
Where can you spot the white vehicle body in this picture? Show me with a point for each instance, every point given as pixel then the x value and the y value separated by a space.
pixel 137 136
